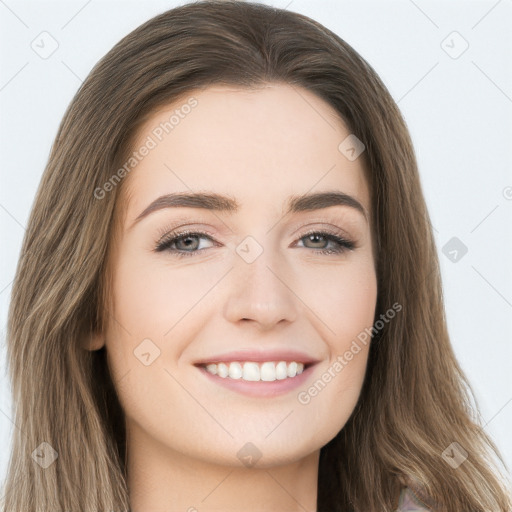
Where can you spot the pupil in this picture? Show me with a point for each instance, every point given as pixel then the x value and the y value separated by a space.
pixel 188 241
pixel 314 238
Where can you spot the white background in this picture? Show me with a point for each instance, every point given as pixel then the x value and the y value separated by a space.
pixel 458 110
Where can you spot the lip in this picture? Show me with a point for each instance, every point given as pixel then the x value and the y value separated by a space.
pixel 260 356
pixel 262 389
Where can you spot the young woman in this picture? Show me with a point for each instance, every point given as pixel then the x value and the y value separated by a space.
pixel 229 297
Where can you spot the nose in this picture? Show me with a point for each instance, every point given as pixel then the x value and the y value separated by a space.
pixel 260 293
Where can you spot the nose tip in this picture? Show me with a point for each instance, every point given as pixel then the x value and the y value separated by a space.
pixel 262 299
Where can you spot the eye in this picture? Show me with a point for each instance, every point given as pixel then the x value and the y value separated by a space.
pixel 186 243
pixel 340 244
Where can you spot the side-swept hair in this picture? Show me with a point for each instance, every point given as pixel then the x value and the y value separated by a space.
pixel 415 399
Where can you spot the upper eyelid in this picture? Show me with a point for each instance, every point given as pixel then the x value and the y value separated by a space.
pixel 189 226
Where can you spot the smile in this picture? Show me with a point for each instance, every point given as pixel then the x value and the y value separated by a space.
pixel 254 372
pixel 260 380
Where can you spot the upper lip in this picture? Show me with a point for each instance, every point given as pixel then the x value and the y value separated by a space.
pixel 260 356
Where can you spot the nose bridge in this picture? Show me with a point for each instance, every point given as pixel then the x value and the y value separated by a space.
pixel 260 291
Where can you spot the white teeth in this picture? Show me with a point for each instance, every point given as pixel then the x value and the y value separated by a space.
pixel 222 370
pixel 292 369
pixel 212 368
pixel 281 372
pixel 268 372
pixel 249 371
pixel 235 371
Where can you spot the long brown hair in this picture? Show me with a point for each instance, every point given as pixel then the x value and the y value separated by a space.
pixel 415 401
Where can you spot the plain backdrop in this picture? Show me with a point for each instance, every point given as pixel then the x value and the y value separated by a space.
pixel 446 64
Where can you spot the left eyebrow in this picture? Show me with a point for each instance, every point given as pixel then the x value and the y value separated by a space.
pixel 221 203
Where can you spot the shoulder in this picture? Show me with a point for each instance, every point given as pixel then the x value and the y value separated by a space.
pixel 410 502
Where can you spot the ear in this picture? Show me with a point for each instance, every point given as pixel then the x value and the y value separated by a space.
pixel 94 341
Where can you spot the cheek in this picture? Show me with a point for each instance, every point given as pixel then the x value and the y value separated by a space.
pixel 151 296
pixel 343 296
pixel 159 302
pixel 354 305
pixel 344 299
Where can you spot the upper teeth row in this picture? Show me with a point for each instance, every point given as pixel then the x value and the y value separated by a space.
pixel 269 371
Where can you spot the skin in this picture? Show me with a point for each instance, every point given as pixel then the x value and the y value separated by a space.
pixel 259 146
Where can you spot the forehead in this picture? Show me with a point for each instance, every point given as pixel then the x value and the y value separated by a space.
pixel 258 145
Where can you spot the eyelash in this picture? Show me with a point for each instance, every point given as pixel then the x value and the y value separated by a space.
pixel 167 240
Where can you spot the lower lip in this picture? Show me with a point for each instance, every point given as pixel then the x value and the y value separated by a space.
pixel 260 388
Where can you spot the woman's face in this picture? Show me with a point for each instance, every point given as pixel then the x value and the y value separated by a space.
pixel 255 288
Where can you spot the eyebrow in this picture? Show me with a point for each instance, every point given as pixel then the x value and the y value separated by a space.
pixel 225 204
